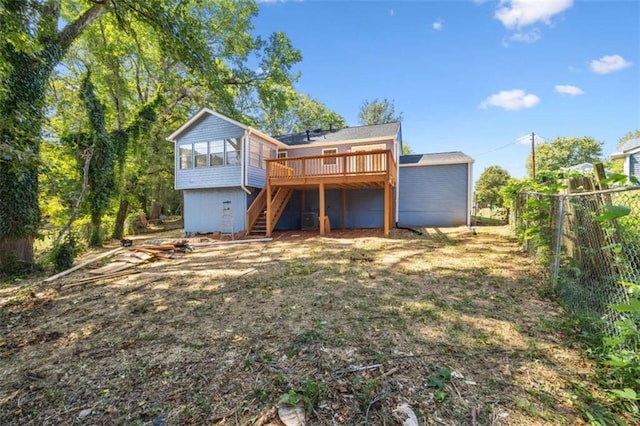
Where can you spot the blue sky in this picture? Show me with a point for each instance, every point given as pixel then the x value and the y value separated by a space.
pixel 473 76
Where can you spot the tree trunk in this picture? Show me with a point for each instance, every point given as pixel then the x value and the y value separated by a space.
pixel 155 210
pixel 16 249
pixel 123 211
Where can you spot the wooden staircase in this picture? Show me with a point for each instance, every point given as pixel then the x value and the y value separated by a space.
pixel 257 212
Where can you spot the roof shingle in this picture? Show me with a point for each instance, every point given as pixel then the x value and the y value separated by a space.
pixel 380 131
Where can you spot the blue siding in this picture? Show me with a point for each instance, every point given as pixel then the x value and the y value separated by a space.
pixel 344 148
pixel 433 195
pixel 634 165
pixel 256 176
pixel 364 208
pixel 203 209
pixel 206 129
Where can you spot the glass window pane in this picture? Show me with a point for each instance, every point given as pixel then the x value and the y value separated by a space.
pixel 254 154
pixel 186 160
pixel 216 153
pixel 200 154
pixel 233 151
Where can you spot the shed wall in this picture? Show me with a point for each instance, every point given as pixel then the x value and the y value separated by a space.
pixel 203 209
pixel 435 195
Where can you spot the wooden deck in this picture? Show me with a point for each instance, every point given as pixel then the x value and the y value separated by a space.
pixel 354 170
pixel 369 169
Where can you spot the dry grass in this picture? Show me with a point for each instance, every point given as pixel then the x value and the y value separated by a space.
pixel 451 323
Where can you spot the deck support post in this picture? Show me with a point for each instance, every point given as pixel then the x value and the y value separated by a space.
pixel 387 204
pixel 321 196
pixel 269 227
pixel 343 217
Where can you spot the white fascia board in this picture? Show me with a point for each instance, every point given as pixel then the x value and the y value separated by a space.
pixel 441 163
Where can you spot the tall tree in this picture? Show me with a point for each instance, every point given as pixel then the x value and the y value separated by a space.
pixel 565 152
pixel 490 184
pixel 378 112
pixel 209 38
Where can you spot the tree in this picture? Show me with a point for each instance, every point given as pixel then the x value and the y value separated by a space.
pixel 378 112
pixel 210 39
pixel 565 152
pixel 490 184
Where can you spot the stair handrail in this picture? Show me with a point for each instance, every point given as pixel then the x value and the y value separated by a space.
pixel 256 208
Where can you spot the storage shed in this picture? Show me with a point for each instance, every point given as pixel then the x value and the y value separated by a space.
pixel 435 189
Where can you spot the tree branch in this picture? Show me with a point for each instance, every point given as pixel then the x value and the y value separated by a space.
pixel 72 30
pixel 88 153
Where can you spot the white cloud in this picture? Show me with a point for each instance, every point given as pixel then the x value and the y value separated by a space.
pixel 526 36
pixel 520 13
pixel 512 100
pixel 438 25
pixel 567 89
pixel 609 63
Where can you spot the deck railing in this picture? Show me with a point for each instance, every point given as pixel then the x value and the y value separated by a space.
pixel 363 163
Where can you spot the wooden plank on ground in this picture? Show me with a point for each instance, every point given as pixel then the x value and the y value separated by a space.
pixel 82 265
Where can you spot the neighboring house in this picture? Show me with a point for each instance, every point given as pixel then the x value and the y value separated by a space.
pixel 435 189
pixel 318 179
pixel 630 154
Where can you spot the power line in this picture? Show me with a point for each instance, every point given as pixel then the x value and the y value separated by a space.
pixel 496 149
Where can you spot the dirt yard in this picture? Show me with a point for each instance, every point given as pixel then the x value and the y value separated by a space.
pixel 347 327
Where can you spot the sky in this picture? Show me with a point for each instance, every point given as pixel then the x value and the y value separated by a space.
pixel 471 75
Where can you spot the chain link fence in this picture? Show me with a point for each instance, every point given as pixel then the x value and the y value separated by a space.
pixel 591 242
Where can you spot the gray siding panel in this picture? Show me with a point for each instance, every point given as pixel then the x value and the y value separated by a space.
pixel 203 209
pixel 208 177
pixel 364 208
pixel 317 150
pixel 256 176
pixel 433 195
pixel 207 129
pixel 634 165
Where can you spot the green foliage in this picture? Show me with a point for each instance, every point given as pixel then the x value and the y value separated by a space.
pixel 565 152
pixel 490 184
pixel 309 394
pixel 438 380
pixel 63 254
pixel 378 112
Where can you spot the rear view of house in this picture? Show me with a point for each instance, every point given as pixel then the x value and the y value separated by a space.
pixel 235 178
pixel 630 154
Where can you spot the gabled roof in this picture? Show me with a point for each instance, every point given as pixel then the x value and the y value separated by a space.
pixel 624 150
pixel 206 111
pixel 376 131
pixel 435 159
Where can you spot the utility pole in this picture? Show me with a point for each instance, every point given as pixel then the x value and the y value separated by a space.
pixel 533 156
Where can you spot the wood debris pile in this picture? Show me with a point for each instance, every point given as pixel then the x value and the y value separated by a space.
pixel 121 260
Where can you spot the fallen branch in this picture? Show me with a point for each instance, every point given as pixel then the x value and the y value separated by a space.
pixel 102 277
pixel 82 265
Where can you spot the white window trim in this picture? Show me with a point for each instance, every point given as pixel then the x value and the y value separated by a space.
pixel 329 161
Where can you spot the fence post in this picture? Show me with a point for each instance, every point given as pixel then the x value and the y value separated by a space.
pixel 556 259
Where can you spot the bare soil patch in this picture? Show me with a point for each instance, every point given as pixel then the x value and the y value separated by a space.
pixel 348 326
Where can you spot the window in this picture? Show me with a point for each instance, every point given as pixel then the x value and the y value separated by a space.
pixel 282 154
pixel 216 153
pixel 266 154
pixel 254 153
pixel 232 148
pixel 200 154
pixel 186 159
pixel 329 161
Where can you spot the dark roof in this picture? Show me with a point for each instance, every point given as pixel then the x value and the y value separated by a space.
pixel 379 131
pixel 629 145
pixel 455 157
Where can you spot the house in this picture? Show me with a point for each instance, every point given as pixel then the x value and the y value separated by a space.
pixel 435 189
pixel 234 176
pixel 630 154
